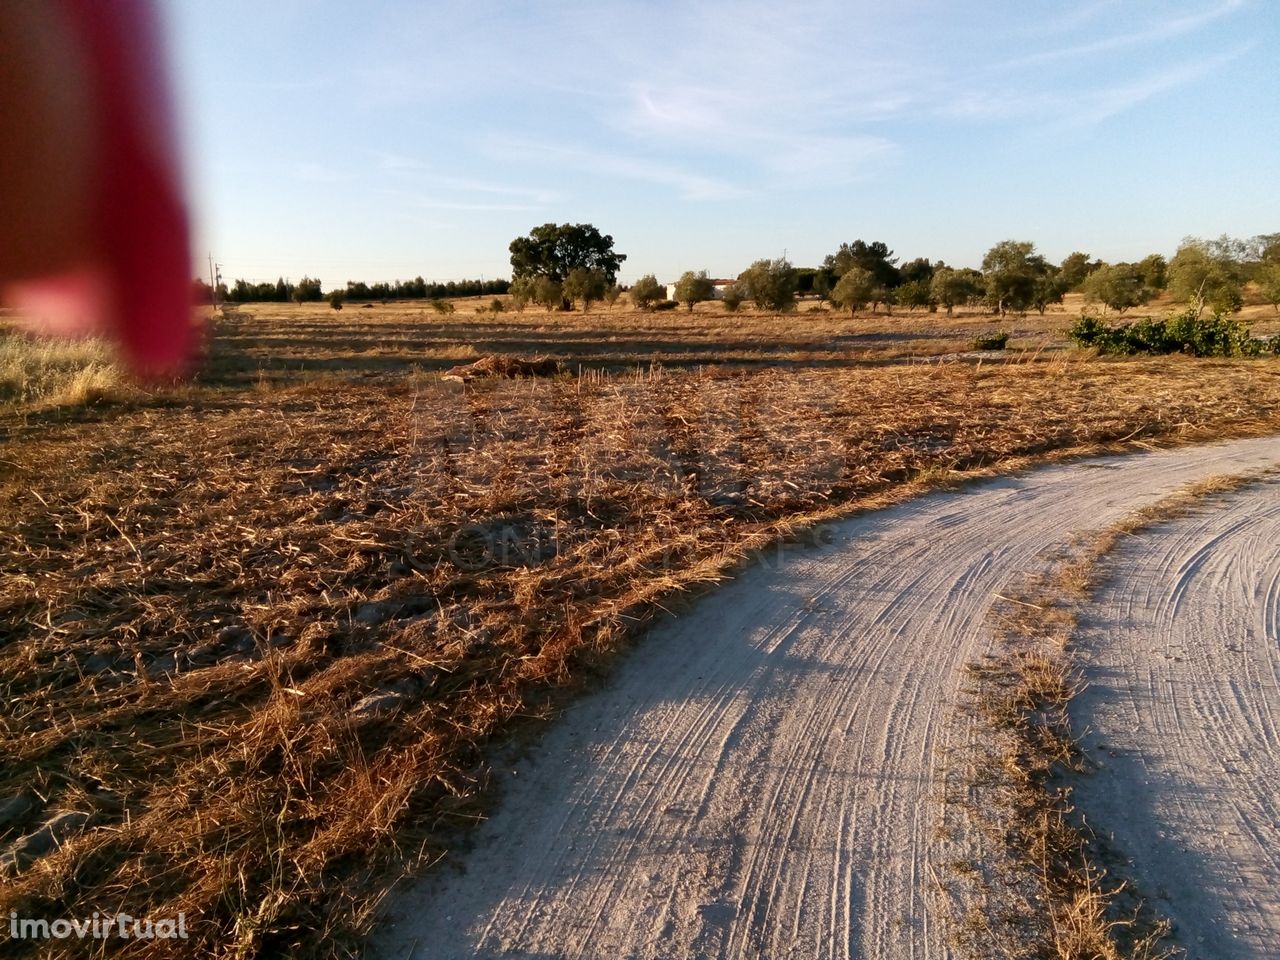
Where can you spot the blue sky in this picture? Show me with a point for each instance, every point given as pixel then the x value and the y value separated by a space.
pixel 383 140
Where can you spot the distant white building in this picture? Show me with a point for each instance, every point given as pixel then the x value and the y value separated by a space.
pixel 717 289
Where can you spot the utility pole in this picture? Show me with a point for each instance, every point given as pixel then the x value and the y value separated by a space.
pixel 215 279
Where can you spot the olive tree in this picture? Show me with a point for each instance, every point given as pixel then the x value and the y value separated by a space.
pixel 732 297
pixel 1268 278
pixel 693 288
pixel 585 284
pixel 1009 275
pixel 855 289
pixel 548 292
pixel 1205 273
pixel 1048 286
pixel 645 292
pixel 1118 287
pixel 771 284
pixel 955 288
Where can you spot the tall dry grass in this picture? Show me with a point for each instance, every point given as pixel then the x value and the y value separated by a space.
pixel 37 371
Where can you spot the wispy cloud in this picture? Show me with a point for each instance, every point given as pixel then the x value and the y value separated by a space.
pixel 1058 109
pixel 1153 33
pixel 691 186
pixel 421 174
pixel 1107 103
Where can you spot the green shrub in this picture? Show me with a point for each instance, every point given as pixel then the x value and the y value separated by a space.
pixel 1187 332
pixel 1212 336
pixel 1147 336
pixel 991 341
pixel 1089 330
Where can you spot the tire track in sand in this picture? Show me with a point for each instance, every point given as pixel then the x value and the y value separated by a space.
pixel 759 779
pixel 1182 711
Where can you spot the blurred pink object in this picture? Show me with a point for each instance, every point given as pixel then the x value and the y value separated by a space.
pixel 97 225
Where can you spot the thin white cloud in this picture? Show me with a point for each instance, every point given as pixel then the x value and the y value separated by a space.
pixel 1107 103
pixel 1165 30
pixel 1085 107
pixel 420 173
pixel 1073 19
pixel 691 186
pixel 533 195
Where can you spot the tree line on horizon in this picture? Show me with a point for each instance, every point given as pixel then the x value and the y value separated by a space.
pixel 310 290
pixel 558 265
pixel 1013 278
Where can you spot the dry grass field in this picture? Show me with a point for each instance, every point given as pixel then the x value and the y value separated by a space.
pixel 261 630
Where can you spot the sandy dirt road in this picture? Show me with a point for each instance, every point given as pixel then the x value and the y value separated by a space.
pixel 1183 714
pixel 762 776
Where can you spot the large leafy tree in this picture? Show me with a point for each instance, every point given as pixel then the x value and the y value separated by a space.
pixel 875 257
pixel 553 251
pixel 1076 267
pixel 1009 272
pixel 918 270
pixel 1267 247
pixel 915 293
pixel 307 290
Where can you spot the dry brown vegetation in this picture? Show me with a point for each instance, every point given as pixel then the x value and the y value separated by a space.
pixel 284 343
pixel 36 371
pixel 260 631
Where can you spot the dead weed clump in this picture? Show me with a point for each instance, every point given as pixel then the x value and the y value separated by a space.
pixel 256 644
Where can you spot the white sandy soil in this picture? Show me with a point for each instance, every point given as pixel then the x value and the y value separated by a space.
pixel 1183 710
pixel 762 777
